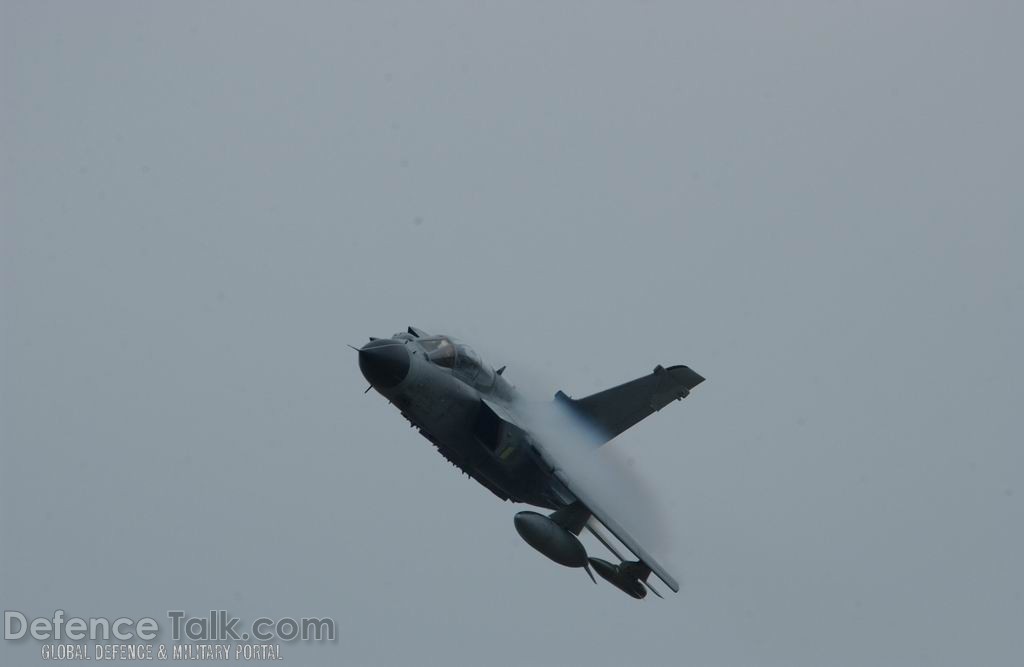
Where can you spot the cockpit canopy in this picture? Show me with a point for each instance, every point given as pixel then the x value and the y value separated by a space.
pixel 440 350
pixel 459 357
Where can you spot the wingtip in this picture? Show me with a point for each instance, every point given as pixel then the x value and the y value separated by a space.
pixel 686 375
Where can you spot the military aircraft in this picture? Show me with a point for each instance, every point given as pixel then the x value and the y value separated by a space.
pixel 479 422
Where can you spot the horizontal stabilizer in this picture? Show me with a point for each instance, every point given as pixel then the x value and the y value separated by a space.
pixel 614 410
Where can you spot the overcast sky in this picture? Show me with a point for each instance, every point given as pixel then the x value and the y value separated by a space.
pixel 817 207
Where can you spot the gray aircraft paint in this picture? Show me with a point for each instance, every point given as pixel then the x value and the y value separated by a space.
pixel 547 454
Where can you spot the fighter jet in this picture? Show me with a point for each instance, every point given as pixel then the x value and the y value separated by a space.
pixel 481 423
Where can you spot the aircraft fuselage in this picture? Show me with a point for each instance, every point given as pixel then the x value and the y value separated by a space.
pixel 445 391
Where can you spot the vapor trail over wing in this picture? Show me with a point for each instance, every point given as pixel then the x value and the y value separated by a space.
pixel 568 435
pixel 566 445
pixel 587 497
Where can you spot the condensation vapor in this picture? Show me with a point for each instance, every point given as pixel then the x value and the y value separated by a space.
pixel 613 484
pixel 606 469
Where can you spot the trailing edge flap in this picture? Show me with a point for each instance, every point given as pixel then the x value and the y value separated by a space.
pixel 617 409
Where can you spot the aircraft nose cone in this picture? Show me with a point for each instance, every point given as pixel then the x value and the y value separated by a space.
pixel 384 362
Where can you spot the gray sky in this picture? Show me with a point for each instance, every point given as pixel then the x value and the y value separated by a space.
pixel 817 207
